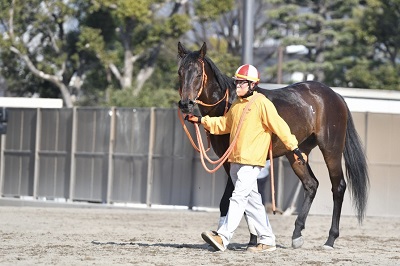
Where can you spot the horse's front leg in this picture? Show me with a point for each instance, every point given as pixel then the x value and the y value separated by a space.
pixel 310 185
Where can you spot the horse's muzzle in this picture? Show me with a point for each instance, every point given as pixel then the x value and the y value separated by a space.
pixel 186 106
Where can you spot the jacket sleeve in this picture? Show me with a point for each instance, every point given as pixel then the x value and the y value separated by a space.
pixel 277 125
pixel 218 125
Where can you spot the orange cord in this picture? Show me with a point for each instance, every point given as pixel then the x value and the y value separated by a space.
pixel 225 156
pixel 271 158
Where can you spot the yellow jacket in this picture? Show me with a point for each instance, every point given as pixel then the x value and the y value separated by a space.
pixel 254 138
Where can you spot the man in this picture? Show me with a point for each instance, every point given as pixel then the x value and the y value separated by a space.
pixel 248 157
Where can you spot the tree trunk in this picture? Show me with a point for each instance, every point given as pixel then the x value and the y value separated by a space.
pixel 147 70
pixel 126 78
pixel 144 74
pixel 56 80
pixel 65 93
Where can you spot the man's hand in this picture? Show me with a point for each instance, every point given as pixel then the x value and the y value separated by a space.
pixel 300 156
pixel 193 118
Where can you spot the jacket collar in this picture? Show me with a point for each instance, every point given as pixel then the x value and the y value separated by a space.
pixel 247 99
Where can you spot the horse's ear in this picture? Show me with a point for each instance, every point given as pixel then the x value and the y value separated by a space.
pixel 182 50
pixel 203 50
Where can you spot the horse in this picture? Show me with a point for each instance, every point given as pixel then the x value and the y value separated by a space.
pixel 316 115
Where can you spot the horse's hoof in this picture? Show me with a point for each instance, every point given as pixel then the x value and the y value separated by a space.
pixel 326 247
pixel 297 242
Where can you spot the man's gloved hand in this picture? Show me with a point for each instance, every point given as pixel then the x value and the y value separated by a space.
pixel 193 118
pixel 300 156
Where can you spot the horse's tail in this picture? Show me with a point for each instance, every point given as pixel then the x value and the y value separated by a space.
pixel 356 168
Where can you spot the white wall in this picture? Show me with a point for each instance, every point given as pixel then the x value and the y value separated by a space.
pixel 21 102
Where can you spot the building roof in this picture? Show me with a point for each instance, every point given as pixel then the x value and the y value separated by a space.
pixel 362 100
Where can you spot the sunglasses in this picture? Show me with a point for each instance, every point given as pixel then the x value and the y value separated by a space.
pixel 241 82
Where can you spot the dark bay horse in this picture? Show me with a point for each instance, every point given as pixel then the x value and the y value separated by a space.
pixel 316 115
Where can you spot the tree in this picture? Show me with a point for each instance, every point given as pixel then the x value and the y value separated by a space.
pixel 127 36
pixel 375 46
pixel 66 42
pixel 317 25
pixel 220 24
pixel 42 42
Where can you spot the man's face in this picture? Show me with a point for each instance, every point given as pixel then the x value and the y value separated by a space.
pixel 242 86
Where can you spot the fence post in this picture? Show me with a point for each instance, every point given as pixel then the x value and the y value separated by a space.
pixel 111 144
pixel 366 132
pixel 36 152
pixel 2 148
pixel 150 156
pixel 73 151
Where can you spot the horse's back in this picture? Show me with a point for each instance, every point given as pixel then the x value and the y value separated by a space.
pixel 307 93
pixel 310 109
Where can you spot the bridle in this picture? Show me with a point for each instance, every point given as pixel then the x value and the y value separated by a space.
pixel 203 83
pixel 199 102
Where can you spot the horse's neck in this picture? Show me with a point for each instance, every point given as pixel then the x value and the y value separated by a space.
pixel 214 94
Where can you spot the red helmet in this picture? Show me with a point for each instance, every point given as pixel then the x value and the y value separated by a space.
pixel 247 72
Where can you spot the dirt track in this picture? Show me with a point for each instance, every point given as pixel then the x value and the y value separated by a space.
pixel 82 236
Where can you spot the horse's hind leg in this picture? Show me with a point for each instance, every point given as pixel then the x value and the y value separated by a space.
pixel 333 163
pixel 310 185
pixel 224 203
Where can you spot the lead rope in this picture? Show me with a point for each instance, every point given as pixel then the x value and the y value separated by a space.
pixel 225 156
pixel 226 97
pixel 188 133
pixel 271 158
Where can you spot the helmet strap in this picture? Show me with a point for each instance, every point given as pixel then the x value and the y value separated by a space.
pixel 250 90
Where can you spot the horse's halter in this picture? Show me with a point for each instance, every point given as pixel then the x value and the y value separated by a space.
pixel 203 83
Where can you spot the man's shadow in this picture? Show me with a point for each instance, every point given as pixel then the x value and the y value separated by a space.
pixel 164 245
pixel 232 246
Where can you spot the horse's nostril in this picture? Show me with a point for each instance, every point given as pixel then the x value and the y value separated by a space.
pixel 186 104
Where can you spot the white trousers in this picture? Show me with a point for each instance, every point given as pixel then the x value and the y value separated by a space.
pixel 245 198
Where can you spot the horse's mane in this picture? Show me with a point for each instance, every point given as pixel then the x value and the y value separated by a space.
pixel 223 80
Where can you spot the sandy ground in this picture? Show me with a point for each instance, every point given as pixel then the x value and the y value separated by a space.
pixel 115 236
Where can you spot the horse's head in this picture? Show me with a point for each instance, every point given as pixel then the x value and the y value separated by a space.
pixel 192 77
